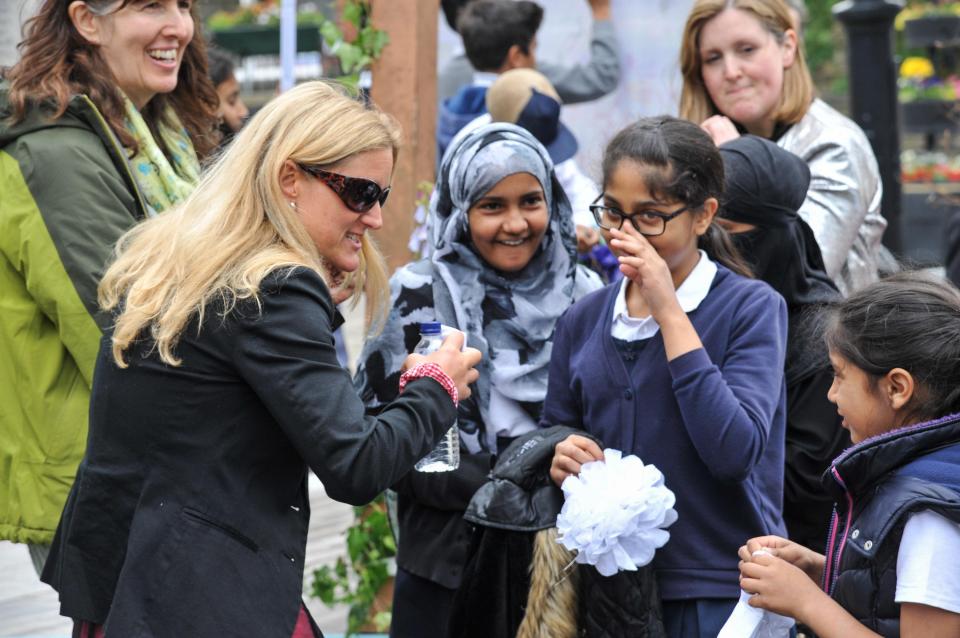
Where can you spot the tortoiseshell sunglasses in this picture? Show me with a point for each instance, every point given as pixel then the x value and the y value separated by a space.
pixel 356 193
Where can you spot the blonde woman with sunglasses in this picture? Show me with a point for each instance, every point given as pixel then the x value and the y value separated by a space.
pixel 219 388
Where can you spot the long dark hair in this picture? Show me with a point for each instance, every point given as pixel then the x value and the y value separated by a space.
pixel 693 173
pixel 220 64
pixel 909 320
pixel 57 62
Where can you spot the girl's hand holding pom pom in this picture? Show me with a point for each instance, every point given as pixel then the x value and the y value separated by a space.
pixel 615 513
pixel 570 454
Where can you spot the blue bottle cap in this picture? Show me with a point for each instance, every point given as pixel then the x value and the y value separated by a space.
pixel 430 328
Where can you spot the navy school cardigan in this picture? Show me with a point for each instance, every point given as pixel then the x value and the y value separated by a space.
pixel 712 420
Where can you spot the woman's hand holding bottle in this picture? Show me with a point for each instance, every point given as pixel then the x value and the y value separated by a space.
pixel 457 362
pixel 783 577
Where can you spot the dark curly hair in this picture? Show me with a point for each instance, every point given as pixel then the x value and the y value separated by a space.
pixel 56 63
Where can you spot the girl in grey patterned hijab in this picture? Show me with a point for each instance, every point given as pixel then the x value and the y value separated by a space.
pixel 509 315
pixel 502 269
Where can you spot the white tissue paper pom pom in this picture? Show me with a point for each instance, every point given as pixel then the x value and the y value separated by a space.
pixel 614 513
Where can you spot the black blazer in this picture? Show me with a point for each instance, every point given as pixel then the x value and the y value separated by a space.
pixel 189 512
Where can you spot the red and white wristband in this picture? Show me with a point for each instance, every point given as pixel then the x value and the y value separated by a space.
pixel 435 372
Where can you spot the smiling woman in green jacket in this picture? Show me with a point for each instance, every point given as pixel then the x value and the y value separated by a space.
pixel 101 124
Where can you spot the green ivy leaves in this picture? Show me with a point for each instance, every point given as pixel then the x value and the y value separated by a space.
pixel 370 549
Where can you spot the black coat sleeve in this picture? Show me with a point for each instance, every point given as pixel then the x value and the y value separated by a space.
pixel 286 352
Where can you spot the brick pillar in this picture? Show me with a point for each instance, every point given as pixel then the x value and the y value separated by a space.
pixel 405 85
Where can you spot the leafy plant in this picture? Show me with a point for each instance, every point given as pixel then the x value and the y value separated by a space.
pixel 370 550
pixel 356 54
pixel 820 35
pixel 915 10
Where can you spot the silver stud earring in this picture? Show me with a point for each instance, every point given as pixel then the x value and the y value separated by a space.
pixel 293 205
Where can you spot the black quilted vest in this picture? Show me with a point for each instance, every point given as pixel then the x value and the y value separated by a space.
pixel 877 485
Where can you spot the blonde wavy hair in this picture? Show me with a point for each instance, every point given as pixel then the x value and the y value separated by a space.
pixel 237 227
pixel 774 15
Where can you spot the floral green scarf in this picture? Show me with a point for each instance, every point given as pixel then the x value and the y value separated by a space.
pixel 163 185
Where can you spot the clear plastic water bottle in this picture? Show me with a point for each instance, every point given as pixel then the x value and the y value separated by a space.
pixel 446 456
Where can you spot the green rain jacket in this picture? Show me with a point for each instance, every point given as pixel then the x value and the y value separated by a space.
pixel 66 196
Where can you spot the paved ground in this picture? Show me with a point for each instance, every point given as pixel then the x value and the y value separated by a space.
pixel 30 608
pixel 27 606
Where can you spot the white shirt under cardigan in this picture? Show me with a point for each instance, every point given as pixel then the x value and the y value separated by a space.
pixel 506 418
pixel 690 294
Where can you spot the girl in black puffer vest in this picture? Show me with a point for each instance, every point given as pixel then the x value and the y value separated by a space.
pixel 893 554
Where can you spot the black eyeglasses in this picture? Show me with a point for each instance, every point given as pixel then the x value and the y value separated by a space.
pixel 647 222
pixel 356 193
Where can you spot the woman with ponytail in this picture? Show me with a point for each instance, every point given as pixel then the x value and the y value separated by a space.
pixel 681 363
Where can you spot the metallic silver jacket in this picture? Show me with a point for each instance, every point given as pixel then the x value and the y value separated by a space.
pixel 843 203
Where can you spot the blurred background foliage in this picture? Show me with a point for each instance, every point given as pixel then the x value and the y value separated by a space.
pixel 825 45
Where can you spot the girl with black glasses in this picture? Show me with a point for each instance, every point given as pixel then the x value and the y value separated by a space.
pixel 681 363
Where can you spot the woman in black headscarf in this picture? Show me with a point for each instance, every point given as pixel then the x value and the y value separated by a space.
pixel 765 186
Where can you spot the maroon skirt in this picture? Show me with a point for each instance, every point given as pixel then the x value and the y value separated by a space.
pixel 303 629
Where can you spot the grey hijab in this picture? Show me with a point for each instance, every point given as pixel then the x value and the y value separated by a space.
pixel 509 317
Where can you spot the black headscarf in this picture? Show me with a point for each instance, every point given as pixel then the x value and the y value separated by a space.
pixel 765 186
